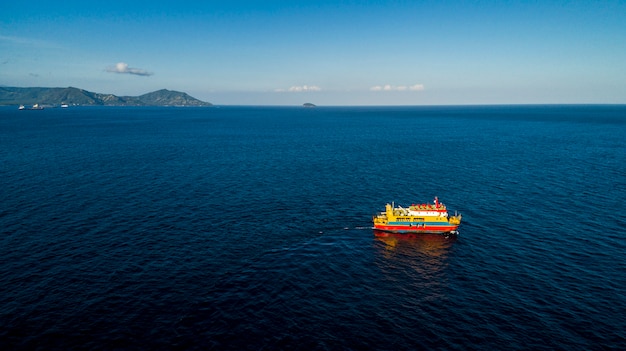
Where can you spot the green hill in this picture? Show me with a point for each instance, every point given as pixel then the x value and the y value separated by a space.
pixel 75 96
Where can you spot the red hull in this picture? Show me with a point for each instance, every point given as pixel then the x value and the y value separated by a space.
pixel 406 229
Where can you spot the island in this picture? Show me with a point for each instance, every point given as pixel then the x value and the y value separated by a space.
pixel 79 97
pixel 308 104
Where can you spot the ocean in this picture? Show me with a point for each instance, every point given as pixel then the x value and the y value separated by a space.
pixel 249 228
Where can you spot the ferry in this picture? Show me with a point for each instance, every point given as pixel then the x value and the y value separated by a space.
pixel 422 218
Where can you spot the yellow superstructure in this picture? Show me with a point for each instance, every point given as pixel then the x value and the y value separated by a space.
pixel 426 218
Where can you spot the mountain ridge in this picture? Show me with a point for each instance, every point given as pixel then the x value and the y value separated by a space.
pixel 77 96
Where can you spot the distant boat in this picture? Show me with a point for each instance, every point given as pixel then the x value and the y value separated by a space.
pixel 35 107
pixel 64 106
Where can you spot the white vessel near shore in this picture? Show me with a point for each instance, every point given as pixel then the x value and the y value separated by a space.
pixel 35 107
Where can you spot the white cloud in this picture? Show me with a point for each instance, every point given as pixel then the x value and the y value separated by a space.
pixel 15 40
pixel 24 41
pixel 388 87
pixel 300 89
pixel 122 67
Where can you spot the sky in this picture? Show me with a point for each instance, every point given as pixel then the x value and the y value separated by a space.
pixel 385 52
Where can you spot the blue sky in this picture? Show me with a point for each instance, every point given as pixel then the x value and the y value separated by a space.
pixel 269 52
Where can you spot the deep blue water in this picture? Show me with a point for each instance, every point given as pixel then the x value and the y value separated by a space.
pixel 250 228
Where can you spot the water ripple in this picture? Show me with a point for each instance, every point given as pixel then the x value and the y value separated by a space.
pixel 250 228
